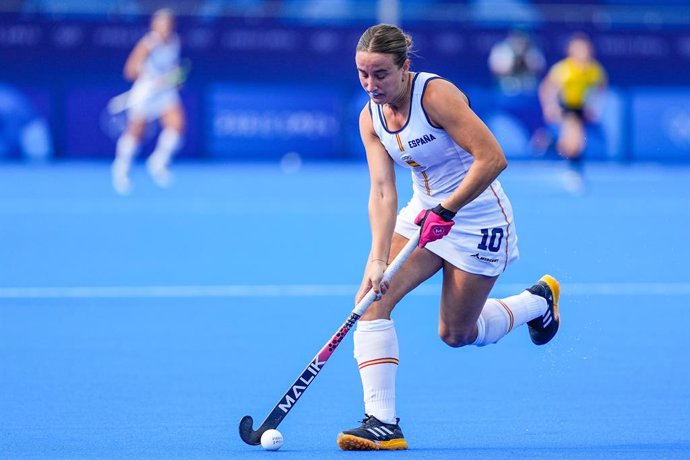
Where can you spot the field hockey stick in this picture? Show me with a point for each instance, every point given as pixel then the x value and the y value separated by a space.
pixel 299 386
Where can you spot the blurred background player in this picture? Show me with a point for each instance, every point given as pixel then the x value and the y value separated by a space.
pixel 567 96
pixel 517 63
pixel 153 65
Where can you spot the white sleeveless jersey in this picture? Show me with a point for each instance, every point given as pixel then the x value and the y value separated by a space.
pixel 438 164
pixel 163 57
pixel 483 239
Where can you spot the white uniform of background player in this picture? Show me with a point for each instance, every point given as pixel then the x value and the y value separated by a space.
pixel 153 65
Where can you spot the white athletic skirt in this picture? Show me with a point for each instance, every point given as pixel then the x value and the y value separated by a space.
pixel 483 240
pixel 147 103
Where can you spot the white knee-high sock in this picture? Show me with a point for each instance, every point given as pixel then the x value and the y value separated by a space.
pixel 500 316
pixel 376 352
pixel 168 143
pixel 125 151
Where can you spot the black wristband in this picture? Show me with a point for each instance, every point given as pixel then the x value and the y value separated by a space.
pixel 446 214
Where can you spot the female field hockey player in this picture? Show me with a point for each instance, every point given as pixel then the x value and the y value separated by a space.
pixel 425 123
pixel 153 65
pixel 564 94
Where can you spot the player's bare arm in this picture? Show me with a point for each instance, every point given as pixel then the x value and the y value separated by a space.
pixel 383 205
pixel 603 81
pixel 548 98
pixel 136 60
pixel 448 108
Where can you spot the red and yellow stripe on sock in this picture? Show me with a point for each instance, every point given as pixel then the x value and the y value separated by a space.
pixel 373 362
pixel 510 314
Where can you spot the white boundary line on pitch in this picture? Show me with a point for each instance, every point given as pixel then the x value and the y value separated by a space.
pixel 314 290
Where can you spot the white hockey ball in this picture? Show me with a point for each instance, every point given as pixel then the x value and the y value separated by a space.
pixel 272 440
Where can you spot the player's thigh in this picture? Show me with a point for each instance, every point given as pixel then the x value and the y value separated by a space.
pixel 575 128
pixel 462 300
pixel 419 267
pixel 174 118
pixel 572 135
pixel 136 127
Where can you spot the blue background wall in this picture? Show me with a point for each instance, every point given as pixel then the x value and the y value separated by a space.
pixel 249 72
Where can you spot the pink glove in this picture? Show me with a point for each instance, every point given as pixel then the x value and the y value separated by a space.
pixel 435 223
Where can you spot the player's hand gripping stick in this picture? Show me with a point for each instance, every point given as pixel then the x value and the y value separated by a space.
pixel 299 386
pixel 435 223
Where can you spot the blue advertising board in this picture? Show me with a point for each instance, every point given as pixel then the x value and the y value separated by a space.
pixel 25 122
pixel 268 121
pixel 661 124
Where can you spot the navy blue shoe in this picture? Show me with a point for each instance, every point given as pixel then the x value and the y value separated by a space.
pixel 373 434
pixel 544 328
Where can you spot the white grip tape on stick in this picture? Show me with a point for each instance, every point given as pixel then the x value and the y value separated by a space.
pixel 400 259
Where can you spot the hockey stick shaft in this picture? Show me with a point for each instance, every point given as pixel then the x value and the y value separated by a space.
pixel 300 385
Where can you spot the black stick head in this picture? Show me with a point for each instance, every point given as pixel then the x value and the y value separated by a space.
pixel 247 433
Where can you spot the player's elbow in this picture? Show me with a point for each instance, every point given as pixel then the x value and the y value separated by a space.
pixel 130 72
pixel 501 163
pixel 497 162
pixel 129 75
pixel 383 192
pixel 546 93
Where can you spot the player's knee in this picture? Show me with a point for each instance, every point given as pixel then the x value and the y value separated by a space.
pixel 175 119
pixel 176 124
pixel 136 130
pixel 455 338
pixel 378 310
pixel 568 150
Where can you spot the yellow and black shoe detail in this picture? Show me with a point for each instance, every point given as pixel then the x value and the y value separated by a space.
pixel 373 434
pixel 544 328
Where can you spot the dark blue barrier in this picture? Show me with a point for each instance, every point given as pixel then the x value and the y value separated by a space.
pixel 78 65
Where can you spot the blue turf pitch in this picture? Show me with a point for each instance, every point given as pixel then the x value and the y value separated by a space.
pixel 147 326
